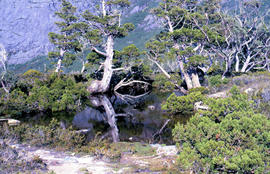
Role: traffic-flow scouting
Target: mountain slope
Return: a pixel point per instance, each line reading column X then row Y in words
column 25, row 24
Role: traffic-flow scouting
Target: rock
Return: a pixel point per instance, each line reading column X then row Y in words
column 199, row 105
column 165, row 150
column 151, row 107
column 249, row 91
column 266, row 95
column 219, row 95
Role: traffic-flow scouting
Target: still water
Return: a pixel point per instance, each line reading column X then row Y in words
column 121, row 118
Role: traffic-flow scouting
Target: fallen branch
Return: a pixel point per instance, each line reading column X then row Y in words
column 160, row 131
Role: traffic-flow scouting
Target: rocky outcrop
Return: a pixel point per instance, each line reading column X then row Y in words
column 25, row 25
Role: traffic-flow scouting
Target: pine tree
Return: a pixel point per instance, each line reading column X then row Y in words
column 66, row 41
column 101, row 28
column 188, row 30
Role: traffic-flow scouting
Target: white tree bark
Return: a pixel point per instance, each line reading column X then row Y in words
column 83, row 66
column 195, row 80
column 103, row 85
column 237, row 63
column 58, row 66
column 3, row 57
column 103, row 8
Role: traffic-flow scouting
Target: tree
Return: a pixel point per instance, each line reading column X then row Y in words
column 246, row 38
column 188, row 30
column 3, row 65
column 101, row 28
column 66, row 40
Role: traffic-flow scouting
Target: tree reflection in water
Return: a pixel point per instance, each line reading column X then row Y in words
column 102, row 100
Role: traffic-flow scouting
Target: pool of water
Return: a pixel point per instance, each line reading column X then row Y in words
column 121, row 118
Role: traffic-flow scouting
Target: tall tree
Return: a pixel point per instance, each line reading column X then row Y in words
column 246, row 38
column 66, row 40
column 101, row 29
column 188, row 28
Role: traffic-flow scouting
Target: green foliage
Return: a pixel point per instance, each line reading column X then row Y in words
column 31, row 73
column 66, row 40
column 57, row 94
column 230, row 137
column 220, row 107
column 187, row 36
column 202, row 90
column 36, row 92
column 162, row 82
column 183, row 105
column 217, row 81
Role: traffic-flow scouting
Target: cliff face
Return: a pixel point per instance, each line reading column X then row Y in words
column 25, row 24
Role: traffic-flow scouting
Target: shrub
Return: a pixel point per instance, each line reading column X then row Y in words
column 32, row 73
column 163, row 83
column 182, row 104
column 228, row 138
column 202, row 90
column 217, row 81
column 37, row 92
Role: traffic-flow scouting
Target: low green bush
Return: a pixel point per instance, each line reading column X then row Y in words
column 217, row 81
column 183, row 105
column 35, row 92
column 202, row 90
column 230, row 137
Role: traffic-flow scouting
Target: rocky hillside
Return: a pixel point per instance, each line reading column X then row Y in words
column 25, row 24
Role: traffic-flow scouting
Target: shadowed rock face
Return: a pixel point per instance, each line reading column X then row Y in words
column 25, row 24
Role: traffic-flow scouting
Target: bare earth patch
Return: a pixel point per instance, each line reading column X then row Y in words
column 63, row 163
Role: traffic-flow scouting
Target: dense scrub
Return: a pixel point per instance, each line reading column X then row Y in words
column 230, row 137
column 36, row 92
column 183, row 105
column 164, row 84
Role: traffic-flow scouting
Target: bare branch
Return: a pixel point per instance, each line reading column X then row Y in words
column 99, row 52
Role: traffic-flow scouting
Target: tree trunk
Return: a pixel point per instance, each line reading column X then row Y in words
column 162, row 69
column 185, row 75
column 244, row 68
column 4, row 87
column 228, row 67
column 58, row 67
column 103, row 85
column 195, row 80
column 83, row 67
column 237, row 63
